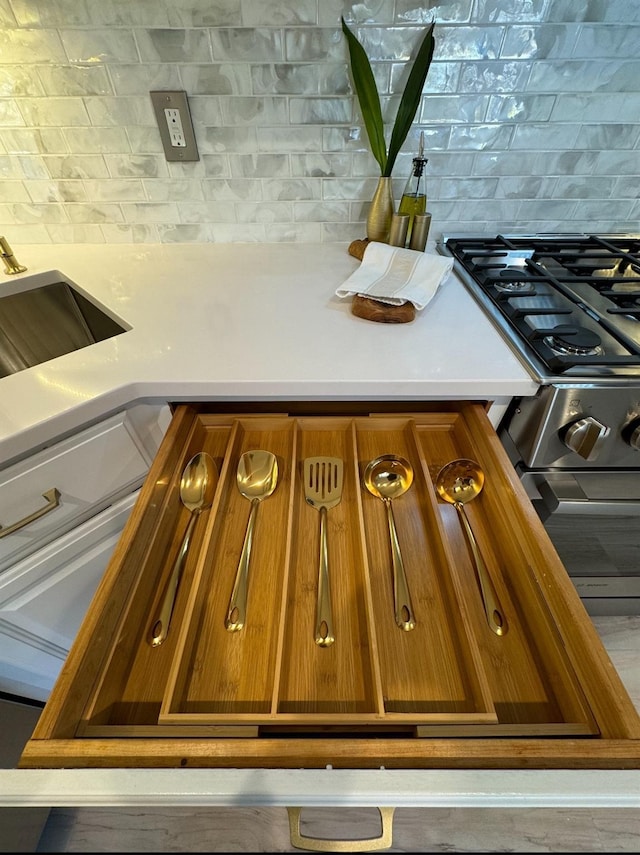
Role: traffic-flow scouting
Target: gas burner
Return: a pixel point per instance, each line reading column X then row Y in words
column 574, row 341
column 512, row 279
column 512, row 286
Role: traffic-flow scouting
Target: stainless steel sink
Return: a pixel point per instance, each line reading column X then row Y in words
column 45, row 316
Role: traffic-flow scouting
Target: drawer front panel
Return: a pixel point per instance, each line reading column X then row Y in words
column 88, row 471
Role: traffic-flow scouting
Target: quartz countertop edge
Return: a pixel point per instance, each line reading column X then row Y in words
column 243, row 322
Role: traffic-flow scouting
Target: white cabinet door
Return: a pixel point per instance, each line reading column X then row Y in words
column 44, row 598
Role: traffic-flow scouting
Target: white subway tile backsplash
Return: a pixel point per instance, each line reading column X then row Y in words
column 549, row 136
column 119, row 190
column 18, row 80
column 288, row 189
column 546, row 41
column 609, row 107
column 146, row 212
column 162, row 189
column 480, row 137
column 34, row 141
column 413, row 11
column 30, row 213
column 494, row 76
column 289, row 139
column 15, row 191
column 129, row 79
column 520, row 108
column 10, row 113
column 56, row 191
column 7, row 18
column 319, row 111
column 232, row 190
column 264, row 212
column 146, row 141
column 259, row 165
column 95, row 213
column 66, row 233
column 203, row 13
column 247, row 44
column 321, row 165
column 25, row 46
column 293, row 232
column 98, row 45
column 223, row 78
column 136, row 166
column 248, row 110
column 512, row 10
column 275, row 13
column 27, row 167
column 74, row 80
column 138, row 233
column 322, row 212
column 56, row 112
column 173, row 45
column 88, row 140
column 75, row 166
column 529, row 113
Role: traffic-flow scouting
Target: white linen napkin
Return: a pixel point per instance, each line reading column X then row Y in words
column 394, row 275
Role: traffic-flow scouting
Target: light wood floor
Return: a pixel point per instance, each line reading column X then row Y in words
column 415, row 829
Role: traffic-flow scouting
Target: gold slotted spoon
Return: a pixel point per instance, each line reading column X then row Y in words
column 323, row 490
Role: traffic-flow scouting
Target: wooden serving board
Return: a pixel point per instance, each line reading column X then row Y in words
column 449, row 692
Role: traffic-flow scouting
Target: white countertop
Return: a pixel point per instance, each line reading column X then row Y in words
column 244, row 322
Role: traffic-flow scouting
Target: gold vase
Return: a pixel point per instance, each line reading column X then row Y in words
column 381, row 211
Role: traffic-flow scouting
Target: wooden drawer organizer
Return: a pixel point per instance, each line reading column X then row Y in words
column 449, row 692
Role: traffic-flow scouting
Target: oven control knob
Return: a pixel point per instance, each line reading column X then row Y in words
column 585, row 437
column 632, row 434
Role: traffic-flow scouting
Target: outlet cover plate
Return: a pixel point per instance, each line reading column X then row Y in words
column 163, row 100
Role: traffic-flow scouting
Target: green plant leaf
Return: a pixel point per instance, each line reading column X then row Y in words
column 410, row 98
column 368, row 98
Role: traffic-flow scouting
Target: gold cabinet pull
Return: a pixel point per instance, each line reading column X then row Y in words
column 322, row 844
column 53, row 500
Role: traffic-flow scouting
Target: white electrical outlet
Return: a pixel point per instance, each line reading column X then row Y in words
column 176, row 131
column 174, row 123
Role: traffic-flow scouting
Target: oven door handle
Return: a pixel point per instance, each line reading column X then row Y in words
column 562, row 494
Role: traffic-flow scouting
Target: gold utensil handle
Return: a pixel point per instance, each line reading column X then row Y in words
column 322, row 844
column 160, row 626
column 324, row 635
column 404, row 616
column 492, row 608
column 53, row 500
column 237, row 611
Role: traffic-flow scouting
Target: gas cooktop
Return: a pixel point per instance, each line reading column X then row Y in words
column 568, row 303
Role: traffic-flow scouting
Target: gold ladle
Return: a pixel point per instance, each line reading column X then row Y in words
column 257, row 476
column 457, row 483
column 197, row 488
column 388, row 477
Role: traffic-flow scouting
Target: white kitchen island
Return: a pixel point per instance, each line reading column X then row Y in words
column 250, row 322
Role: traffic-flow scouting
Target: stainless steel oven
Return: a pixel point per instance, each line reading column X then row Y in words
column 569, row 306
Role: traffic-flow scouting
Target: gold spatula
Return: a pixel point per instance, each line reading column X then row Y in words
column 323, row 490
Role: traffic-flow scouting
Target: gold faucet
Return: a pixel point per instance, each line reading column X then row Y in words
column 11, row 263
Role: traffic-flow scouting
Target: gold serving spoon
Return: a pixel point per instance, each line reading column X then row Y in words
column 388, row 477
column 257, row 476
column 197, row 488
column 457, row 483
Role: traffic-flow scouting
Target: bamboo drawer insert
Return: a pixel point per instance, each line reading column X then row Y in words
column 448, row 672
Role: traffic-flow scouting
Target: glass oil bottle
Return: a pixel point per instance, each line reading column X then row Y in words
column 414, row 197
